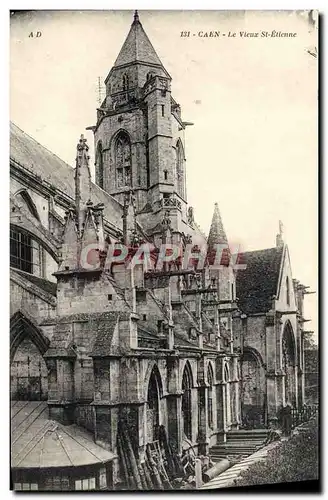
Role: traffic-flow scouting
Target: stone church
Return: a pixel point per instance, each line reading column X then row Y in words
column 109, row 357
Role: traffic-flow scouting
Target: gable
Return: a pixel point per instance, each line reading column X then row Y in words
column 285, row 293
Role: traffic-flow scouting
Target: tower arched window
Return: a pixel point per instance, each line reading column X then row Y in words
column 123, row 160
column 149, row 76
column 287, row 291
column 186, row 401
column 210, row 381
column 180, row 169
column 125, row 81
column 100, row 166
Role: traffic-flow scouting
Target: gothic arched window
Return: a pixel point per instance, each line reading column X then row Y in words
column 153, row 399
column 287, row 291
column 210, row 380
column 180, row 169
column 125, row 81
column 28, row 373
column 186, row 400
column 288, row 363
column 123, row 160
column 100, row 166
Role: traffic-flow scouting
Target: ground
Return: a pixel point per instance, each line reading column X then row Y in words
column 294, row 460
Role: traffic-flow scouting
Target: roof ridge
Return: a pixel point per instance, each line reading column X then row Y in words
column 62, row 161
column 262, row 250
column 42, row 146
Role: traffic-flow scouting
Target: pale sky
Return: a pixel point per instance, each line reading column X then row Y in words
column 253, row 101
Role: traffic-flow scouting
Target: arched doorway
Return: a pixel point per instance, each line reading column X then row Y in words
column 28, row 370
column 288, row 364
column 153, row 404
column 28, row 374
column 252, row 403
column 186, row 401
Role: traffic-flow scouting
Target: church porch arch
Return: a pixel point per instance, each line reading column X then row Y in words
column 28, row 370
column 252, row 388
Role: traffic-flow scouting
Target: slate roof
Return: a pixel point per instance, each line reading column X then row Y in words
column 256, row 284
column 37, row 442
column 137, row 47
column 41, row 162
column 45, row 285
column 105, row 327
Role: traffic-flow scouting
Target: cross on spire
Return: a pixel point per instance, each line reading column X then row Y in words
column 82, row 144
column 136, row 17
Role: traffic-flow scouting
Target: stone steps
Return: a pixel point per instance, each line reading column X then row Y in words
column 241, row 443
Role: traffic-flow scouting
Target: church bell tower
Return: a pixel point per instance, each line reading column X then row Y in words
column 139, row 134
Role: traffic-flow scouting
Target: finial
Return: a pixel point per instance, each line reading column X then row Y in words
column 82, row 144
column 136, row 17
column 279, row 237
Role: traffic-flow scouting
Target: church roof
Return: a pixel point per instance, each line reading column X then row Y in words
column 37, row 442
column 45, row 165
column 104, row 327
column 256, row 284
column 137, row 47
column 217, row 233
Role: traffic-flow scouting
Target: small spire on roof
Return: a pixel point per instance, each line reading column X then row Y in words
column 217, row 233
column 82, row 179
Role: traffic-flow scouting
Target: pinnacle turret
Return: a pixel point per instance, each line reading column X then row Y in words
column 217, row 233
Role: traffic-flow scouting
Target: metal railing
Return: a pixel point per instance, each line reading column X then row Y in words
column 303, row 414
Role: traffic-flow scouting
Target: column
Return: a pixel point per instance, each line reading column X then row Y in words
column 202, row 421
column 174, row 422
column 221, row 411
column 271, row 390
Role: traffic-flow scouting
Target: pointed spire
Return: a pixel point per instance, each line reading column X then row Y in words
column 82, row 179
column 137, row 46
column 217, row 233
